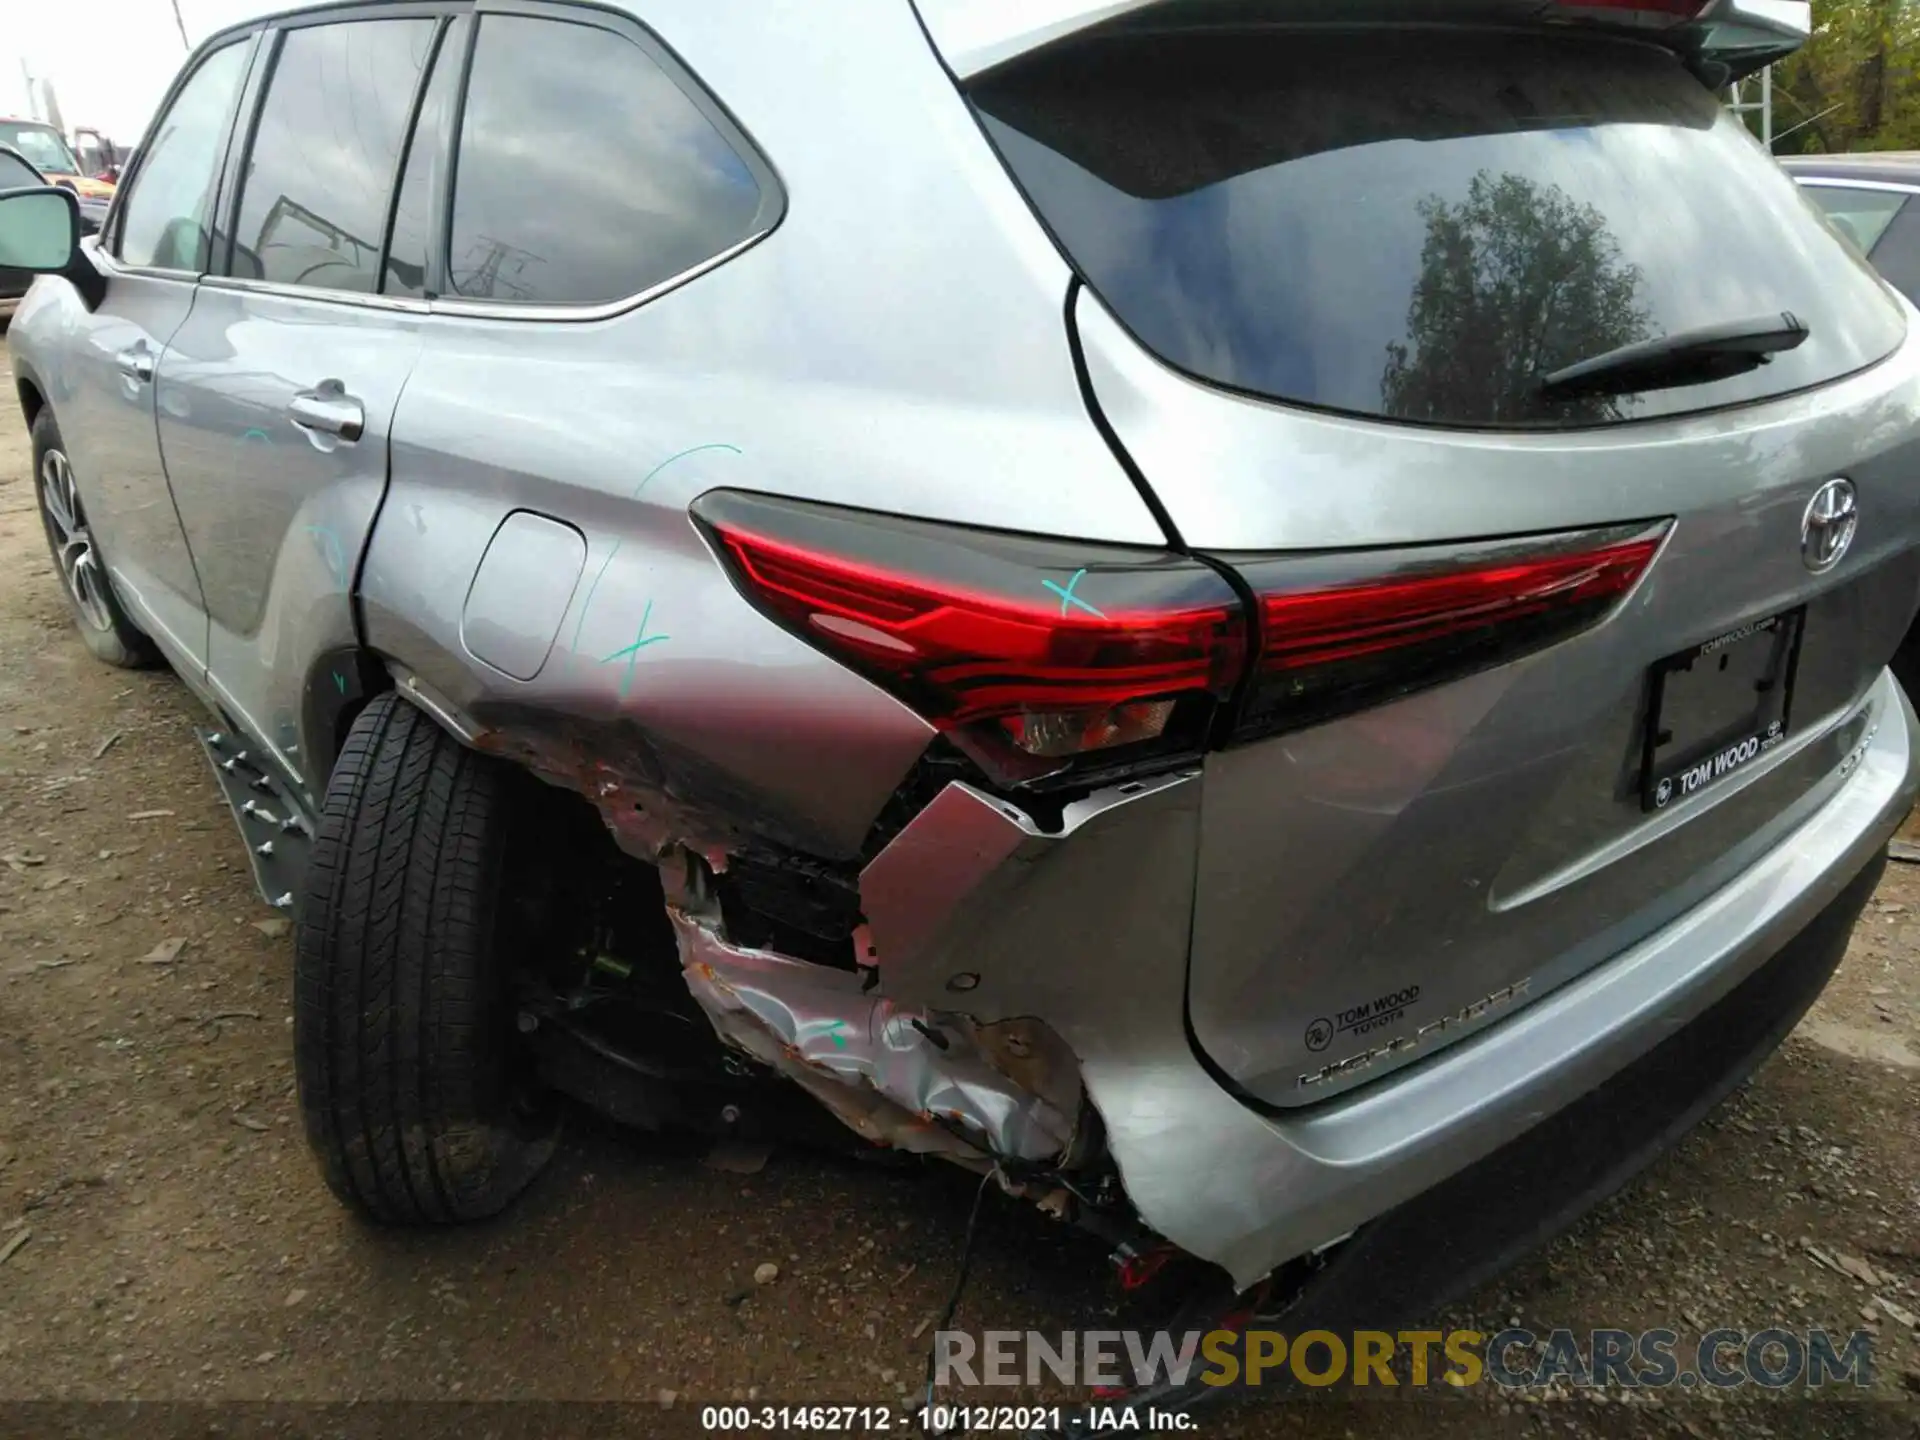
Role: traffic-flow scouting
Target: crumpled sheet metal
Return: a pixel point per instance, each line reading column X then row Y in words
column 865, row 1058
column 623, row 783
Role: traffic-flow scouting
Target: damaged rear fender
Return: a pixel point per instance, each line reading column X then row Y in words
column 918, row 1078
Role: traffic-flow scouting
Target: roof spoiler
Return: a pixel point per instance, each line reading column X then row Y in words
column 1721, row 39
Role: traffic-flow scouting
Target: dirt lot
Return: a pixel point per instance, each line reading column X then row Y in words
column 163, row 1234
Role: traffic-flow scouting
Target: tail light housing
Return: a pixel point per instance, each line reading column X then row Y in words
column 1641, row 14
column 1340, row 633
column 1040, row 657
column 1036, row 656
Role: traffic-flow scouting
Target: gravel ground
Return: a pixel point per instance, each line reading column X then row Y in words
column 164, row 1235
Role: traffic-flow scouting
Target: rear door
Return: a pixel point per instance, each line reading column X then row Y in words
column 160, row 239
column 277, row 393
column 1327, row 276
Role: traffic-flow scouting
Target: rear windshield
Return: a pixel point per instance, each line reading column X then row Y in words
column 1420, row 224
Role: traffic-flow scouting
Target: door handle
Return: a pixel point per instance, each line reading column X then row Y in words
column 328, row 409
column 136, row 363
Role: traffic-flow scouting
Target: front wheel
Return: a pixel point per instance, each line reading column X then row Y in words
column 97, row 613
column 402, row 1017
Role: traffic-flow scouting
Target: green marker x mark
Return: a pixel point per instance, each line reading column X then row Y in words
column 1067, row 597
column 631, row 653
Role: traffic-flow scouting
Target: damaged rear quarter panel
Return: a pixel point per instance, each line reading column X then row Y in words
column 723, row 729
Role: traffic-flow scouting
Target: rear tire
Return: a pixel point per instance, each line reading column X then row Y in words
column 403, row 1022
column 97, row 612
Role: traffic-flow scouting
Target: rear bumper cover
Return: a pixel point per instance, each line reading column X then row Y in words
column 1441, row 1245
column 1086, row 927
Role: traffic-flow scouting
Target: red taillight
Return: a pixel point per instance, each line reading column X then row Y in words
column 1653, row 14
column 1054, row 649
column 971, row 656
column 1034, row 654
column 1329, row 648
column 1351, row 621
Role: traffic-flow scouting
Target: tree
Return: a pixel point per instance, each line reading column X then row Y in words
column 1516, row 280
column 1856, row 82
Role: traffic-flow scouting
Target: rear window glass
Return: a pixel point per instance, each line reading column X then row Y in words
column 1420, row 225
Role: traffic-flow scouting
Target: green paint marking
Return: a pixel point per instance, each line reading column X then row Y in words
column 695, row 450
column 632, row 652
column 1067, row 597
column 588, row 602
column 331, row 552
column 580, row 621
column 834, row 1034
column 339, row 682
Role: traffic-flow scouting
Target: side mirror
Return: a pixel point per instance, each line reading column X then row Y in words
column 40, row 232
column 39, row 229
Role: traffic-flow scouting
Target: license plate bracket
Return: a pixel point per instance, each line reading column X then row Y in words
column 1716, row 707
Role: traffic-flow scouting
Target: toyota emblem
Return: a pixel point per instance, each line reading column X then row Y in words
column 1826, row 530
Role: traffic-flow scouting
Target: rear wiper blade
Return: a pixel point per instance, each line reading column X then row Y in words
column 1692, row 357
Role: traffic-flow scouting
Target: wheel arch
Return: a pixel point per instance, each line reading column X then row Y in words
column 340, row 683
column 27, row 388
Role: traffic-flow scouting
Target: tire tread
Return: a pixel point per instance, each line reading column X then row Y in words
column 398, row 1014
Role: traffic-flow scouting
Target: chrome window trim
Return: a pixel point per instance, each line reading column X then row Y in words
column 604, row 310
column 406, row 304
column 1837, row 183
column 472, row 309
column 105, row 259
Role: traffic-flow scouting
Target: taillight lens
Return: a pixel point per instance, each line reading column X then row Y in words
column 1332, row 643
column 1644, row 14
column 1040, row 657
column 1031, row 652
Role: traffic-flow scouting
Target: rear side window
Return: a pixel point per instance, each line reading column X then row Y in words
column 1419, row 225
column 584, row 173
column 1860, row 215
column 1897, row 254
column 163, row 221
column 313, row 205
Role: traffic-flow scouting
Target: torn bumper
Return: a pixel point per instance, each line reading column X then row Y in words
column 1087, row 929
column 909, row 1077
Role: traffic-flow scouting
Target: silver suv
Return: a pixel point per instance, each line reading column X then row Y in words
column 1273, row 632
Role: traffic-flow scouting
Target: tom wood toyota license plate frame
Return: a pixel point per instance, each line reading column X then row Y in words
column 1715, row 708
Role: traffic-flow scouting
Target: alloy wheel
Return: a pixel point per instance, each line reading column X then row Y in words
column 73, row 544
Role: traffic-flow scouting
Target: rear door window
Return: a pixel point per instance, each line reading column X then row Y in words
column 1860, row 215
column 587, row 173
column 1419, row 225
column 326, row 149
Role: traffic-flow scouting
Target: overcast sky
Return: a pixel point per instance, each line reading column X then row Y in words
column 110, row 60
